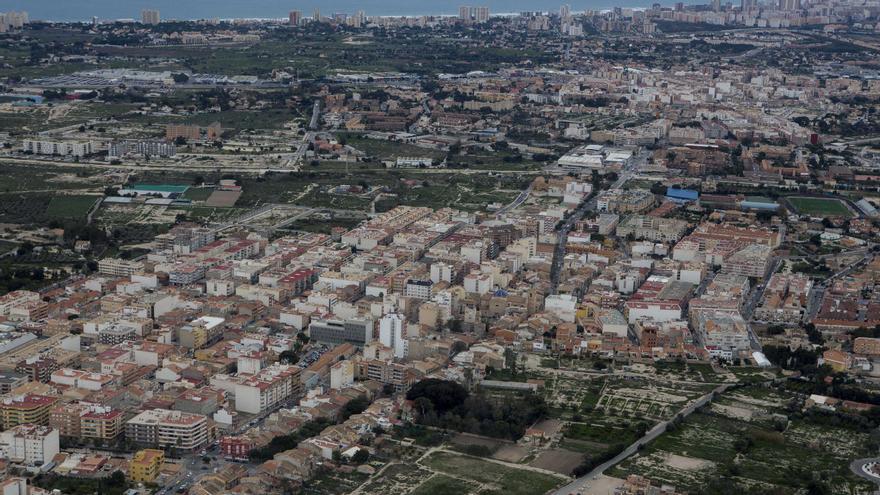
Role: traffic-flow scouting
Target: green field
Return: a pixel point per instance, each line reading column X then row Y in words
column 70, row 206
column 508, row 481
column 819, row 207
column 198, row 193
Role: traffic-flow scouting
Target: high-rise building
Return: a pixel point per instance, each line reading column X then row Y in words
column 150, row 17
column 12, row 20
column 294, row 18
column 473, row 14
column 565, row 11
column 392, row 333
column 316, row 16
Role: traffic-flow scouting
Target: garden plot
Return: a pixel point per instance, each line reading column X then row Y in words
column 650, row 402
column 490, row 477
column 840, row 442
column 707, row 446
column 398, row 479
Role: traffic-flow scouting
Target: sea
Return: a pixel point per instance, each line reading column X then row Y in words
column 84, row 10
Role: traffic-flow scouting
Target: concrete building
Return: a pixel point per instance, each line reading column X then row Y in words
column 145, row 465
column 354, row 331
column 24, row 409
column 268, row 389
column 62, row 148
column 29, row 444
column 168, row 429
column 392, row 333
column 150, row 17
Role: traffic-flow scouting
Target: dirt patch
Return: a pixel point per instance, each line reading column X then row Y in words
column 741, row 413
column 223, row 199
column 687, row 463
column 601, row 485
column 550, row 427
column 510, row 453
column 559, row 460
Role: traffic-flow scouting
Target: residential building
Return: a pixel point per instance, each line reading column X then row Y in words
column 168, row 429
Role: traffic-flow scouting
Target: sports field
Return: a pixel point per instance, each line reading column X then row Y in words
column 819, row 207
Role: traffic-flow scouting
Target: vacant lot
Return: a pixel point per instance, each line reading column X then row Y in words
column 440, row 484
column 493, row 478
column 561, row 461
column 223, row 199
column 819, row 207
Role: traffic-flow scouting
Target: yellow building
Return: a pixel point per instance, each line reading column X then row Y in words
column 145, row 465
column 31, row 408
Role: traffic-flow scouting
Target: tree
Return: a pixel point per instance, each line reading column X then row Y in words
column 361, row 456
column 443, row 394
column 289, row 357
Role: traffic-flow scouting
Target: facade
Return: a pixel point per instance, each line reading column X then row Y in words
column 650, row 228
column 392, row 333
column 62, row 148
column 168, row 429
column 354, row 331
column 150, row 17
column 116, row 267
column 26, row 409
column 141, row 148
column 145, row 465
column 268, row 389
column 30, row 444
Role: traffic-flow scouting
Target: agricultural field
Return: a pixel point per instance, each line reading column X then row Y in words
column 399, row 479
column 70, row 207
column 388, row 150
column 819, row 207
column 198, row 193
column 490, row 478
column 746, row 437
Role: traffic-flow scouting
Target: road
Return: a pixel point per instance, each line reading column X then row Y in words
column 581, row 485
column 316, row 116
column 523, row 196
column 859, row 468
column 588, row 205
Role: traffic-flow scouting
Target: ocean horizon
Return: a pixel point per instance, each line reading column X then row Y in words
column 84, row 10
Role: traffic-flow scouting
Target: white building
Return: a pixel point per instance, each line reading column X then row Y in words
column 392, row 333
column 30, row 444
column 563, row 306
column 341, row 374
column 478, row 282
column 268, row 389
column 63, row 148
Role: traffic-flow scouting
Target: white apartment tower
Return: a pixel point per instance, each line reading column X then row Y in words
column 392, row 333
